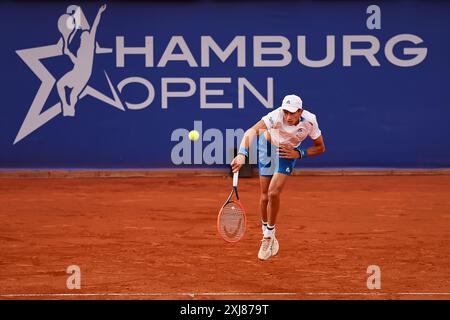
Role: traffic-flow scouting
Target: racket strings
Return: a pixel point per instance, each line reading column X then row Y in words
column 232, row 222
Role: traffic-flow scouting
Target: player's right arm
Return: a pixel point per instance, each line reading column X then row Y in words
column 259, row 128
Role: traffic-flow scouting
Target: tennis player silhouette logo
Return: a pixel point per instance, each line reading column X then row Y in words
column 77, row 78
column 75, row 84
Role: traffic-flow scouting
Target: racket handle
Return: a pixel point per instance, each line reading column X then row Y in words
column 235, row 179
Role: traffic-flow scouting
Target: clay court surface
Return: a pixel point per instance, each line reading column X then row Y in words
column 155, row 238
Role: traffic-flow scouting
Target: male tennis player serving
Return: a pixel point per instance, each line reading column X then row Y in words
column 281, row 133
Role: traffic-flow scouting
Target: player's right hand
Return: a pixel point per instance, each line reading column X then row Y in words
column 237, row 163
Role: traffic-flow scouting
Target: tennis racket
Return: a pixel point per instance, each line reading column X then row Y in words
column 231, row 221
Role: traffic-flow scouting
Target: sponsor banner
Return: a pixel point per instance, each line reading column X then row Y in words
column 121, row 86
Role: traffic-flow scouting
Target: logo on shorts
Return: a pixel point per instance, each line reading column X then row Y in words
column 288, row 170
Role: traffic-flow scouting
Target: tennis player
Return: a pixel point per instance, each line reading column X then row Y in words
column 280, row 134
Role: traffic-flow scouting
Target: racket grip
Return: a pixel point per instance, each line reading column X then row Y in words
column 235, row 179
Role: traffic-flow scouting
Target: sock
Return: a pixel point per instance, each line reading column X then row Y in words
column 264, row 226
column 270, row 231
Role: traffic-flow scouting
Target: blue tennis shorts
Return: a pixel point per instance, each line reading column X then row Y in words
column 269, row 162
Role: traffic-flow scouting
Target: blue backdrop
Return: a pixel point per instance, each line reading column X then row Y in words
column 384, row 116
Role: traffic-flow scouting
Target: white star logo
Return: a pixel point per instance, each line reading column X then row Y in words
column 32, row 57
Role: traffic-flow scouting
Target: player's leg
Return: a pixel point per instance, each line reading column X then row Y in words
column 266, row 167
column 61, row 88
column 264, row 182
column 77, row 89
column 274, row 193
column 270, row 246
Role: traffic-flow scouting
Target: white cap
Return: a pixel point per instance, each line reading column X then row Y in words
column 292, row 103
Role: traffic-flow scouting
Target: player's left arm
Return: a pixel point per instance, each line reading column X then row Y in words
column 318, row 148
column 67, row 52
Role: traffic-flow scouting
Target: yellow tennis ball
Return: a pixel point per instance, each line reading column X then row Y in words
column 194, row 135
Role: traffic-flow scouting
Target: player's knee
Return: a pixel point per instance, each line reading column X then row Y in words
column 274, row 195
column 59, row 84
column 264, row 197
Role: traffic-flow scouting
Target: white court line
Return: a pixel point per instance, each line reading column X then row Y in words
column 193, row 294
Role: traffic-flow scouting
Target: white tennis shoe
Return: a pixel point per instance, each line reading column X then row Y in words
column 269, row 247
column 275, row 246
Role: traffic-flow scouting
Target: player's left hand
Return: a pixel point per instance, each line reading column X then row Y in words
column 288, row 153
